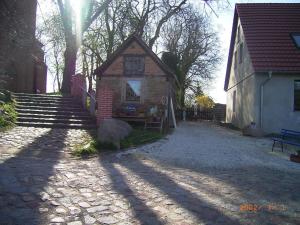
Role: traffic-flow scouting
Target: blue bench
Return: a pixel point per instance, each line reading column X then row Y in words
column 289, row 137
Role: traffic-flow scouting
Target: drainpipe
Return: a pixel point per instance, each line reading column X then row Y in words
column 262, row 97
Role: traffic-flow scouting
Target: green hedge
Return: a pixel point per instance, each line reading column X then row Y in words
column 8, row 114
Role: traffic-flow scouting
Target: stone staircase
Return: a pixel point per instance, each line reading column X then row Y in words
column 51, row 111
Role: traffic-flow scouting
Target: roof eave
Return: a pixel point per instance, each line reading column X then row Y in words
column 131, row 38
column 231, row 48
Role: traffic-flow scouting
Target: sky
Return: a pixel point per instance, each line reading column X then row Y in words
column 222, row 22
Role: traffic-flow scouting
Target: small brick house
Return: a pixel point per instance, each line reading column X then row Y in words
column 140, row 83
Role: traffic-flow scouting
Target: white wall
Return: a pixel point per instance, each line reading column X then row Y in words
column 278, row 104
column 242, row 80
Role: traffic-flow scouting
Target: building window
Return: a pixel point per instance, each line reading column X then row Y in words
column 297, row 95
column 134, row 65
column 296, row 39
column 133, row 91
column 238, row 34
column 241, row 49
column 235, row 59
column 233, row 101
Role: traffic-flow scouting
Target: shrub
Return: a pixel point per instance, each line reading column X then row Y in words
column 8, row 114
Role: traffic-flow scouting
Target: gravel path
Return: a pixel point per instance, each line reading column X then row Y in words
column 205, row 145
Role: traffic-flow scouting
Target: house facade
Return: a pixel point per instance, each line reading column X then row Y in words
column 22, row 66
column 138, row 79
column 263, row 70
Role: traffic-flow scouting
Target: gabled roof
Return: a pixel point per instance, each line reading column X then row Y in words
column 146, row 48
column 267, row 30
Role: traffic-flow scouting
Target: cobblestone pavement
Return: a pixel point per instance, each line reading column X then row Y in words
column 41, row 183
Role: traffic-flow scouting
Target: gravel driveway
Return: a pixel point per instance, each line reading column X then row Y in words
column 204, row 145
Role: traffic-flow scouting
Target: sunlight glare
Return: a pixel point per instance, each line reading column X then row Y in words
column 77, row 6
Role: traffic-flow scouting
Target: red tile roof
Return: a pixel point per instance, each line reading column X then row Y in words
column 267, row 28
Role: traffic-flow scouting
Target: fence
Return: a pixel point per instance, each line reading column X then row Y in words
column 218, row 113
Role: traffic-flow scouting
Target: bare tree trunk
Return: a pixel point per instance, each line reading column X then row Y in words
column 90, row 77
column 70, row 66
column 182, row 98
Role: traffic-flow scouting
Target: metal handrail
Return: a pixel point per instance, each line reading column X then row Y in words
column 83, row 89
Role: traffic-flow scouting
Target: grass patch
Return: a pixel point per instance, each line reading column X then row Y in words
column 8, row 114
column 137, row 137
column 93, row 147
column 140, row 137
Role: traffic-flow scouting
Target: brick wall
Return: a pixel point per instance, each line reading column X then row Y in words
column 151, row 68
column 153, row 88
column 18, row 45
column 41, row 78
column 154, row 82
column 105, row 100
column 78, row 81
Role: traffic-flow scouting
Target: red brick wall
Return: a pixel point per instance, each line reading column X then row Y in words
column 41, row 78
column 104, row 100
column 78, row 81
column 154, row 82
column 151, row 68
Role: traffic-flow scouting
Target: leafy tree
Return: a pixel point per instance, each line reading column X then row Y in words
column 205, row 101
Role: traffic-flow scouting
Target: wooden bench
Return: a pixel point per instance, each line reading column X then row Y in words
column 289, row 137
column 131, row 118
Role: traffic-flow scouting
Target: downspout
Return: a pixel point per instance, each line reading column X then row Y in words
column 262, row 97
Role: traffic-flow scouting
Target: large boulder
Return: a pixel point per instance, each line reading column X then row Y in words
column 253, row 131
column 113, row 131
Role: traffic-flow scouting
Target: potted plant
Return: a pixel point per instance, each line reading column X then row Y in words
column 295, row 157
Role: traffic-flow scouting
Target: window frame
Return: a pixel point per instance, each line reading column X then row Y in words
column 241, row 53
column 294, row 40
column 235, row 59
column 296, row 106
column 238, row 34
column 125, row 60
column 125, row 90
column 234, row 101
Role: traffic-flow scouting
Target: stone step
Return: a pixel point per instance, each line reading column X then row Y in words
column 58, row 116
column 40, row 95
column 56, row 120
column 50, row 108
column 46, row 101
column 53, row 101
column 40, row 110
column 53, row 112
column 57, row 125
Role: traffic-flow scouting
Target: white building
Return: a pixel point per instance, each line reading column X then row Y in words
column 263, row 70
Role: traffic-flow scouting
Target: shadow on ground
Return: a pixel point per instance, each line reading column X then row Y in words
column 251, row 195
column 24, row 177
column 197, row 207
